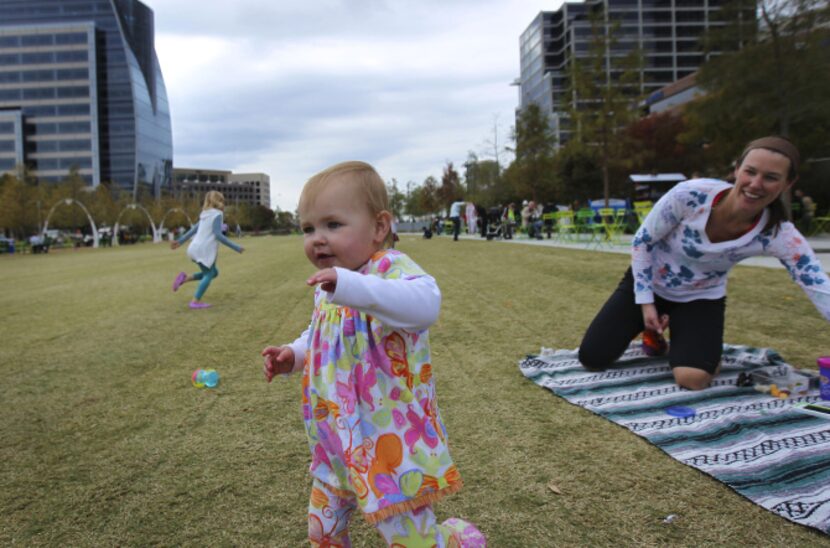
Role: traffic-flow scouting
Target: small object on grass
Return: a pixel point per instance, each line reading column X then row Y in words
column 680, row 411
column 211, row 378
column 197, row 378
column 670, row 518
column 552, row 486
column 205, row 378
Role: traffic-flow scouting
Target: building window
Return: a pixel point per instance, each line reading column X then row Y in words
column 37, row 40
column 71, row 38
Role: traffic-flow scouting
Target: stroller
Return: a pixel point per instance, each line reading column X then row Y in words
column 495, row 224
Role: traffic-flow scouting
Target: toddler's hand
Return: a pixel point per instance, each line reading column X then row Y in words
column 327, row 278
column 279, row 360
column 174, row 244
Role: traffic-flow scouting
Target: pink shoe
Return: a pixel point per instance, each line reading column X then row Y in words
column 195, row 305
column 180, row 279
column 465, row 533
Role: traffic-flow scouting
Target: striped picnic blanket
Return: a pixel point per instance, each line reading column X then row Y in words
column 776, row 457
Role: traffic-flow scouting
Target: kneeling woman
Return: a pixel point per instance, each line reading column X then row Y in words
column 681, row 256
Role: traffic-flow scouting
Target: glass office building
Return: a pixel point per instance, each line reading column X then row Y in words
column 81, row 88
column 668, row 33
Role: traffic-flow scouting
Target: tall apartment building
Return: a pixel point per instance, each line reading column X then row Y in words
column 81, row 87
column 667, row 32
column 237, row 188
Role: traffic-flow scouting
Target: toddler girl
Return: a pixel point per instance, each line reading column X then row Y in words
column 376, row 436
column 204, row 247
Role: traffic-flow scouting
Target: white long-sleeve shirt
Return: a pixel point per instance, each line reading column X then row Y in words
column 406, row 304
column 208, row 230
column 672, row 256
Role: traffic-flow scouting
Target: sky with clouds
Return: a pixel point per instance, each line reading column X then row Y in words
column 288, row 87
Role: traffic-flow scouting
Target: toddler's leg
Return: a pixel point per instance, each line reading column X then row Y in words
column 328, row 517
column 418, row 528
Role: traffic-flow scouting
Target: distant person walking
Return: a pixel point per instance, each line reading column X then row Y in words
column 471, row 218
column 204, row 248
column 455, row 217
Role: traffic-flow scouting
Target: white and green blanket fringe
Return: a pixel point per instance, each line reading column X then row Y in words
column 758, row 445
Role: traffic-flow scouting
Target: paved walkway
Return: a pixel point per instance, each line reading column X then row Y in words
column 820, row 244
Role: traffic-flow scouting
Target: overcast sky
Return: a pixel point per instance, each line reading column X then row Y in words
column 290, row 87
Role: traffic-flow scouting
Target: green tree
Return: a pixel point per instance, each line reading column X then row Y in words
column 577, row 168
column 604, row 88
column 18, row 207
column 775, row 84
column 397, row 199
column 429, row 199
column 262, row 218
column 70, row 216
column 102, row 205
column 450, row 189
column 284, row 221
column 657, row 138
column 414, row 202
column 483, row 180
column 531, row 174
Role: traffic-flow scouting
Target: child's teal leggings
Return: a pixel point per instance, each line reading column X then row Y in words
column 206, row 276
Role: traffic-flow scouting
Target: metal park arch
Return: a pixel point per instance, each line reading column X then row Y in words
column 156, row 234
column 173, row 210
column 69, row 202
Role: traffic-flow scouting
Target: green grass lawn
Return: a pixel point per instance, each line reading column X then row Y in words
column 106, row 442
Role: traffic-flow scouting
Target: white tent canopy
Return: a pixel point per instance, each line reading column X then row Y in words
column 658, row 178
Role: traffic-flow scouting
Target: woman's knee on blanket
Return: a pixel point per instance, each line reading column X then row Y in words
column 593, row 360
column 692, row 378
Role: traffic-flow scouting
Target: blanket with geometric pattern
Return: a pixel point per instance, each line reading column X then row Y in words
column 756, row 444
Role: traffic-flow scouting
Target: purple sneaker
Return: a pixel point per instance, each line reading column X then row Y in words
column 196, row 305
column 180, row 278
column 465, row 533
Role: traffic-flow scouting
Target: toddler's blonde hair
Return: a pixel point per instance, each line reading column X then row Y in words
column 363, row 178
column 213, row 199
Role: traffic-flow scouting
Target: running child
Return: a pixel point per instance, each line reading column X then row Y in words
column 375, row 432
column 204, row 247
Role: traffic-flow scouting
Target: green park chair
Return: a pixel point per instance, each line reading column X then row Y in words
column 642, row 209
column 613, row 223
column 820, row 225
column 588, row 230
column 565, row 226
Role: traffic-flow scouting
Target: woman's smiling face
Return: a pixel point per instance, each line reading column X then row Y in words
column 760, row 179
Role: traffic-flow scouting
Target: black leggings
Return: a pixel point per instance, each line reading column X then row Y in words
column 696, row 330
